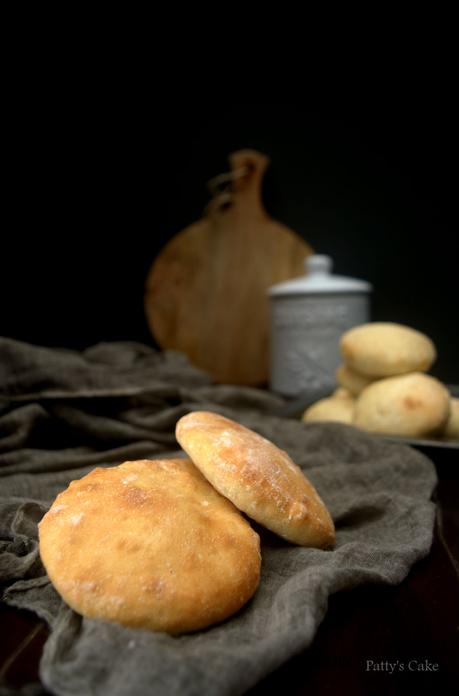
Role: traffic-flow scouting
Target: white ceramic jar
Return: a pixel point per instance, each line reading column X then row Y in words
column 308, row 316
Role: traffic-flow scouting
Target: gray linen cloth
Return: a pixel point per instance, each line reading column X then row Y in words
column 63, row 413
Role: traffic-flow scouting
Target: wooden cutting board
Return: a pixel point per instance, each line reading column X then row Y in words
column 206, row 291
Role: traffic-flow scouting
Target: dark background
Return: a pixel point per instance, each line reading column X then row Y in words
column 95, row 185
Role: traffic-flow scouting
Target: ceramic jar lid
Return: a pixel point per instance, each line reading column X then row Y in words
column 319, row 279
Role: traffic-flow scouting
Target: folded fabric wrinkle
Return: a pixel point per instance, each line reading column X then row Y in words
column 62, row 413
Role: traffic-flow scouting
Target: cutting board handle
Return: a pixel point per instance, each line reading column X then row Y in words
column 247, row 188
column 246, row 177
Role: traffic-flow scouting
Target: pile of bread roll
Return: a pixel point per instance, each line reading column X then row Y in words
column 383, row 386
column 163, row 545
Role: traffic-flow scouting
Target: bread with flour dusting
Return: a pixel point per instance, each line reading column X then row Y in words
column 412, row 405
column 386, row 349
column 333, row 408
column 258, row 477
column 150, row 544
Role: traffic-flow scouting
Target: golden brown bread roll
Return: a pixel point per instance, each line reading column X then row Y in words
column 342, row 393
column 412, row 405
column 384, row 349
column 150, row 544
column 333, row 408
column 258, row 477
column 351, row 380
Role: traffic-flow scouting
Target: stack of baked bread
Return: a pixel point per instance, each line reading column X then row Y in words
column 383, row 385
column 162, row 544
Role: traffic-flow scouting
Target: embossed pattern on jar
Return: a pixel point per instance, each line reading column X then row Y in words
column 308, row 317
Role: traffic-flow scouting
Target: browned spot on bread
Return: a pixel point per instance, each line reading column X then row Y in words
column 134, row 496
column 229, row 542
column 154, row 585
column 412, row 403
column 89, row 487
column 350, row 351
column 128, row 546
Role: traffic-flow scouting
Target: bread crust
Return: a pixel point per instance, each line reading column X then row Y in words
column 351, row 380
column 150, row 544
column 258, row 477
column 413, row 405
column 333, row 408
column 385, row 349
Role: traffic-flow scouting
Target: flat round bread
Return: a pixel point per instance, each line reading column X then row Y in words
column 384, row 350
column 411, row 405
column 258, row 477
column 333, row 408
column 150, row 544
column 351, row 380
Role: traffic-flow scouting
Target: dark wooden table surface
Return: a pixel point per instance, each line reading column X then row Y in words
column 374, row 640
